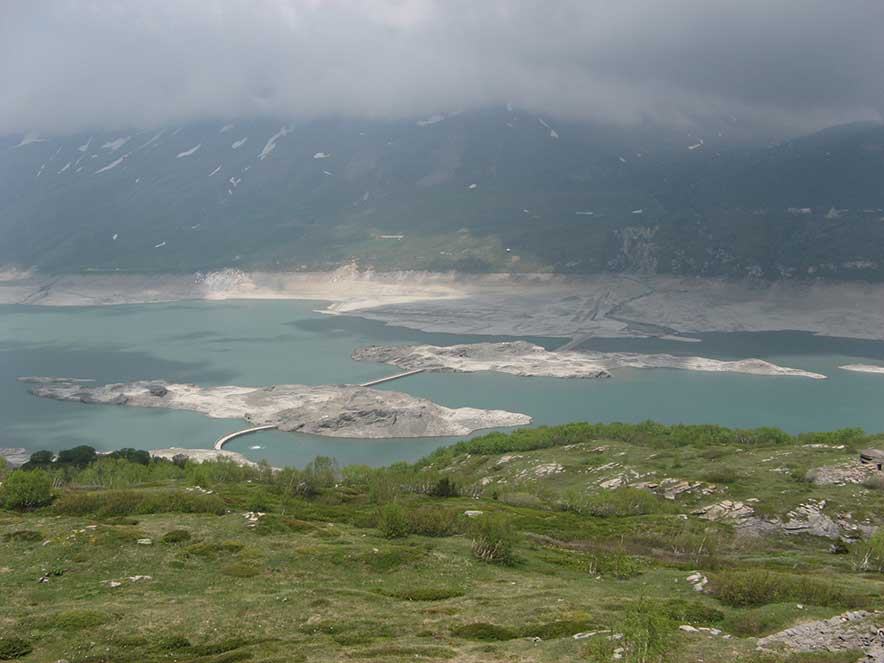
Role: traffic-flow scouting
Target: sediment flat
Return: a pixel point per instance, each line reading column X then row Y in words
column 527, row 359
column 602, row 305
column 330, row 410
column 863, row 368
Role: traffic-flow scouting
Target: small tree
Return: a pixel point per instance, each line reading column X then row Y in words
column 27, row 489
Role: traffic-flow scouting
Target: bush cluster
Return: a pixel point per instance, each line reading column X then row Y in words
column 12, row 648
column 648, row 433
column 128, row 502
column 26, row 490
column 757, row 587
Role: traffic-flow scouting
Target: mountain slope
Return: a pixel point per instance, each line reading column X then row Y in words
column 499, row 189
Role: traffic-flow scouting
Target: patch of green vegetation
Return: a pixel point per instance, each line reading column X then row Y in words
column 425, row 593
column 240, row 570
column 317, row 579
column 175, row 536
column 493, row 538
column 129, row 502
column 73, row 620
column 12, row 648
column 23, row 536
column 484, row 631
column 213, row 549
column 755, row 587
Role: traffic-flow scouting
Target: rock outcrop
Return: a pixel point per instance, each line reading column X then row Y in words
column 331, row 410
column 856, row 630
column 527, row 359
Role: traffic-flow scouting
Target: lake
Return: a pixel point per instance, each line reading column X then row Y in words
column 258, row 343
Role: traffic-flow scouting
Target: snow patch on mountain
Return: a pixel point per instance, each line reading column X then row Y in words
column 215, row 171
column 187, row 153
column 321, row 155
column 271, row 144
column 66, row 166
column 239, row 143
column 112, row 164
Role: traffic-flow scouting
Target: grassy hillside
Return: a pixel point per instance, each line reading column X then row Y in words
column 580, row 532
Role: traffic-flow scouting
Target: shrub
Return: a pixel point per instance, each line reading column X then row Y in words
column 721, row 474
column 74, row 620
column 172, row 643
column 493, row 538
column 870, row 554
column 393, row 521
column 484, row 631
column 240, row 570
column 760, row 587
column 691, row 612
column 558, row 629
column 175, row 536
column 431, row 521
column 24, row 536
column 129, row 502
column 522, row 499
column 41, row 458
column 27, row 489
column 425, row 594
column 875, row 482
column 445, row 487
column 623, row 502
column 12, row 648
column 647, row 634
column 80, row 456
column 136, row 456
column 259, row 500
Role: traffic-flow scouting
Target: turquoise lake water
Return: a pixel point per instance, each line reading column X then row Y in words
column 272, row 342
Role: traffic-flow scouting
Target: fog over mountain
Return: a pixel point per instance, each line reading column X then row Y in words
column 780, row 69
column 687, row 137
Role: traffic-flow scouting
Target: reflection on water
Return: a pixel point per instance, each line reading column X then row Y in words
column 265, row 342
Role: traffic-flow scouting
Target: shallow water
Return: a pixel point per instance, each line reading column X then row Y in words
column 266, row 342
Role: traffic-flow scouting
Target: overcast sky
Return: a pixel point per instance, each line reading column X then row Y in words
column 67, row 65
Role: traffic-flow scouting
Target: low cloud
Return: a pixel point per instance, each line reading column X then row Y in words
column 794, row 65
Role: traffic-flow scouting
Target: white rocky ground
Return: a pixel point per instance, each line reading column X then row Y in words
column 522, row 358
column 331, row 410
column 501, row 304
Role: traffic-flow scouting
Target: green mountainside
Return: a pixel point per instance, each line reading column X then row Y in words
column 493, row 190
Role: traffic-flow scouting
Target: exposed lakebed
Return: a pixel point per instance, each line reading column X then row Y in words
column 259, row 343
